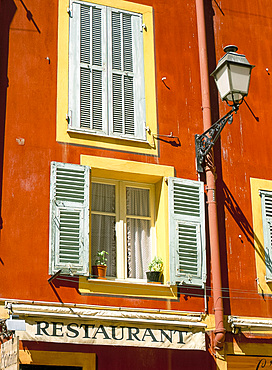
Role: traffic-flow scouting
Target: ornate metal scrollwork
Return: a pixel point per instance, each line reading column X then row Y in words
column 205, row 141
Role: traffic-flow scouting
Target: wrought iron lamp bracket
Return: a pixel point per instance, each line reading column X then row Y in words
column 205, row 141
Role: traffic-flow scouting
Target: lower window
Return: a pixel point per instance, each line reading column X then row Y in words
column 122, row 224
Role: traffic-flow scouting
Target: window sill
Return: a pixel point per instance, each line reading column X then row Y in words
column 88, row 133
column 89, row 286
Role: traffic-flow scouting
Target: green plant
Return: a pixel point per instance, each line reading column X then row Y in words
column 156, row 264
column 101, row 258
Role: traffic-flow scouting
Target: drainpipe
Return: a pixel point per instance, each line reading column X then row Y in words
column 210, row 180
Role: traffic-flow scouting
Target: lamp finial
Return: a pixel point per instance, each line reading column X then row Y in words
column 229, row 48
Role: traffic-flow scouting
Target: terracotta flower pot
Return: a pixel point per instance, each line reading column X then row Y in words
column 99, row 271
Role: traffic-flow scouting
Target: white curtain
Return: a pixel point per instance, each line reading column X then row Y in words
column 138, row 232
column 103, row 226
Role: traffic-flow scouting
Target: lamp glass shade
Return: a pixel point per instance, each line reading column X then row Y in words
column 222, row 81
column 232, row 76
column 240, row 77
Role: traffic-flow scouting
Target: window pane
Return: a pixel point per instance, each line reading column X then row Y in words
column 103, row 238
column 138, row 247
column 103, row 197
column 138, row 202
column 103, row 226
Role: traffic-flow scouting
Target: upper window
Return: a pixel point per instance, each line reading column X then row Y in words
column 106, row 71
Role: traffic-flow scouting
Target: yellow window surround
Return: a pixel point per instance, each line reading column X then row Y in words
column 264, row 287
column 62, row 135
column 118, row 169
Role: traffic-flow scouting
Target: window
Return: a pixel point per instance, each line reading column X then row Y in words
column 106, row 71
column 261, row 200
column 128, row 221
column 123, row 224
column 266, row 201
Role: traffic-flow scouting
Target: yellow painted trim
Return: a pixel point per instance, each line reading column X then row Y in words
column 249, row 349
column 126, row 170
column 97, row 286
column 256, row 185
column 209, row 320
column 51, row 358
column 150, row 83
column 221, row 363
column 119, row 169
column 4, row 314
column 162, row 228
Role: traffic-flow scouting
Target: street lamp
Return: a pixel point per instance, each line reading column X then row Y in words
column 232, row 77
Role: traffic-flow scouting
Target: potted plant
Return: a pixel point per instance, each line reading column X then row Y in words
column 155, row 273
column 100, row 268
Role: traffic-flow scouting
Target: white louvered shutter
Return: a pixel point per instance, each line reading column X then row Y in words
column 126, row 74
column 187, row 232
column 266, row 200
column 69, row 218
column 87, row 68
column 106, row 72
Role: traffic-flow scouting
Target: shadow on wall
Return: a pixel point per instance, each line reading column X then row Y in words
column 63, row 281
column 29, row 16
column 7, row 11
column 241, row 220
column 249, row 234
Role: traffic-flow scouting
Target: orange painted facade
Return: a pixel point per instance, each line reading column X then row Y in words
column 28, row 104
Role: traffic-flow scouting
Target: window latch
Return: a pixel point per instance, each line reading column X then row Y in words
column 70, row 12
column 69, row 117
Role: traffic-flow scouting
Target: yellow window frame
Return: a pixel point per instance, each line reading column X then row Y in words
column 62, row 135
column 264, row 287
column 148, row 174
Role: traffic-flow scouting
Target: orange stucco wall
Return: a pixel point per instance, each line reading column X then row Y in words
column 28, row 141
column 245, row 151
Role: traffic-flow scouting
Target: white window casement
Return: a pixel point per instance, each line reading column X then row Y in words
column 106, row 72
column 121, row 217
column 123, row 225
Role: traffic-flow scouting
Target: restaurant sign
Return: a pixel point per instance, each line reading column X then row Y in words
column 103, row 333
